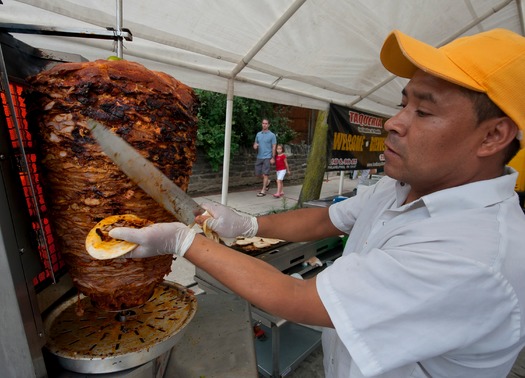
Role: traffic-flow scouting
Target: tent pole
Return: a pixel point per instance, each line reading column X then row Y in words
column 227, row 143
column 229, row 95
column 521, row 15
column 119, row 41
column 267, row 36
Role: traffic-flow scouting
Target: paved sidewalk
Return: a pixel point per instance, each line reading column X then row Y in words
column 247, row 201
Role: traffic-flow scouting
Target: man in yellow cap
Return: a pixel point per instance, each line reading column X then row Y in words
column 432, row 279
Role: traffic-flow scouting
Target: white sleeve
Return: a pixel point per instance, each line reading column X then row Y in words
column 344, row 214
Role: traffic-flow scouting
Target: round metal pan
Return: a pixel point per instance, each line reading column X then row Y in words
column 87, row 340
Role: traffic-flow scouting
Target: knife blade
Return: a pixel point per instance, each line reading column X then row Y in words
column 148, row 177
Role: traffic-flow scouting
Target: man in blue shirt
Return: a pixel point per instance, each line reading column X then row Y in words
column 265, row 142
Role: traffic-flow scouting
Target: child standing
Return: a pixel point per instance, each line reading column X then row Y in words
column 281, row 166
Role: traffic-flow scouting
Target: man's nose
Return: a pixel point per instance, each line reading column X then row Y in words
column 397, row 122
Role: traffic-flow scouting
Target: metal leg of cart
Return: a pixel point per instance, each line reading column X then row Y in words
column 285, row 346
column 276, row 347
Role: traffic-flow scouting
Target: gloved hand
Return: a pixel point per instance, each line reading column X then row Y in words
column 228, row 223
column 156, row 239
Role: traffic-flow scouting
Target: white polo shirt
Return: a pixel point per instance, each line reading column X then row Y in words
column 435, row 288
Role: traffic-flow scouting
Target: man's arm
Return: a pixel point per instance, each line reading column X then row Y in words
column 298, row 225
column 272, row 159
column 260, row 283
column 251, row 278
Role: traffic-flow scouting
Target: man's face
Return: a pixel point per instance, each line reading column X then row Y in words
column 265, row 124
column 432, row 141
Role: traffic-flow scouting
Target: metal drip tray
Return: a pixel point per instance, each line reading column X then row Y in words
column 293, row 254
column 89, row 340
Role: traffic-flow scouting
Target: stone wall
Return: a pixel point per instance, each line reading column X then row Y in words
column 205, row 181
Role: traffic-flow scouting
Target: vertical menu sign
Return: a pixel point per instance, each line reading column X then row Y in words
column 356, row 140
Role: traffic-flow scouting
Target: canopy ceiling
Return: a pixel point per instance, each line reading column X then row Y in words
column 307, row 53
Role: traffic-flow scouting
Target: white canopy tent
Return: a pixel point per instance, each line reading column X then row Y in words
column 306, row 53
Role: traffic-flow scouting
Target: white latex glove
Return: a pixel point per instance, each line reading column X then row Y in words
column 157, row 239
column 228, row 223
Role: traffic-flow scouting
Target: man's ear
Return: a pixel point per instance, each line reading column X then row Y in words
column 499, row 133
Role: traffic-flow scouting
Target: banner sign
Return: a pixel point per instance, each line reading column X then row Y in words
column 356, row 140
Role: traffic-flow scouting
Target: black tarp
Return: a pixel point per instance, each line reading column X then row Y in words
column 355, row 139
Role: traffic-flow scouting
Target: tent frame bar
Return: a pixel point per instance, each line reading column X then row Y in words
column 109, row 33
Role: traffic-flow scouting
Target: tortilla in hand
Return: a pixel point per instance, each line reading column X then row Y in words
column 101, row 246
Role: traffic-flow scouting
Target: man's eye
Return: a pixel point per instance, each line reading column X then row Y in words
column 421, row 113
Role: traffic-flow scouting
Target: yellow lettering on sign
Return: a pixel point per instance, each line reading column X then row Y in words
column 358, row 142
column 348, row 142
column 377, row 144
column 338, row 141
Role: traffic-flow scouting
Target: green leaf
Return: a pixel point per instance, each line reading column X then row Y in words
column 247, row 116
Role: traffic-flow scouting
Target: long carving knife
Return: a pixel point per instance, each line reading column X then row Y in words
column 145, row 174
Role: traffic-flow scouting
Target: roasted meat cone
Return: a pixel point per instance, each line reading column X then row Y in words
column 154, row 113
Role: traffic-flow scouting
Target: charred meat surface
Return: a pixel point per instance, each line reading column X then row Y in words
column 154, row 113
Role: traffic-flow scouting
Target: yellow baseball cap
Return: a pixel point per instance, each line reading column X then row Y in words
column 491, row 62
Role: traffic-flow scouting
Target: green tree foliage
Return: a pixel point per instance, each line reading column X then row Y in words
column 246, row 122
